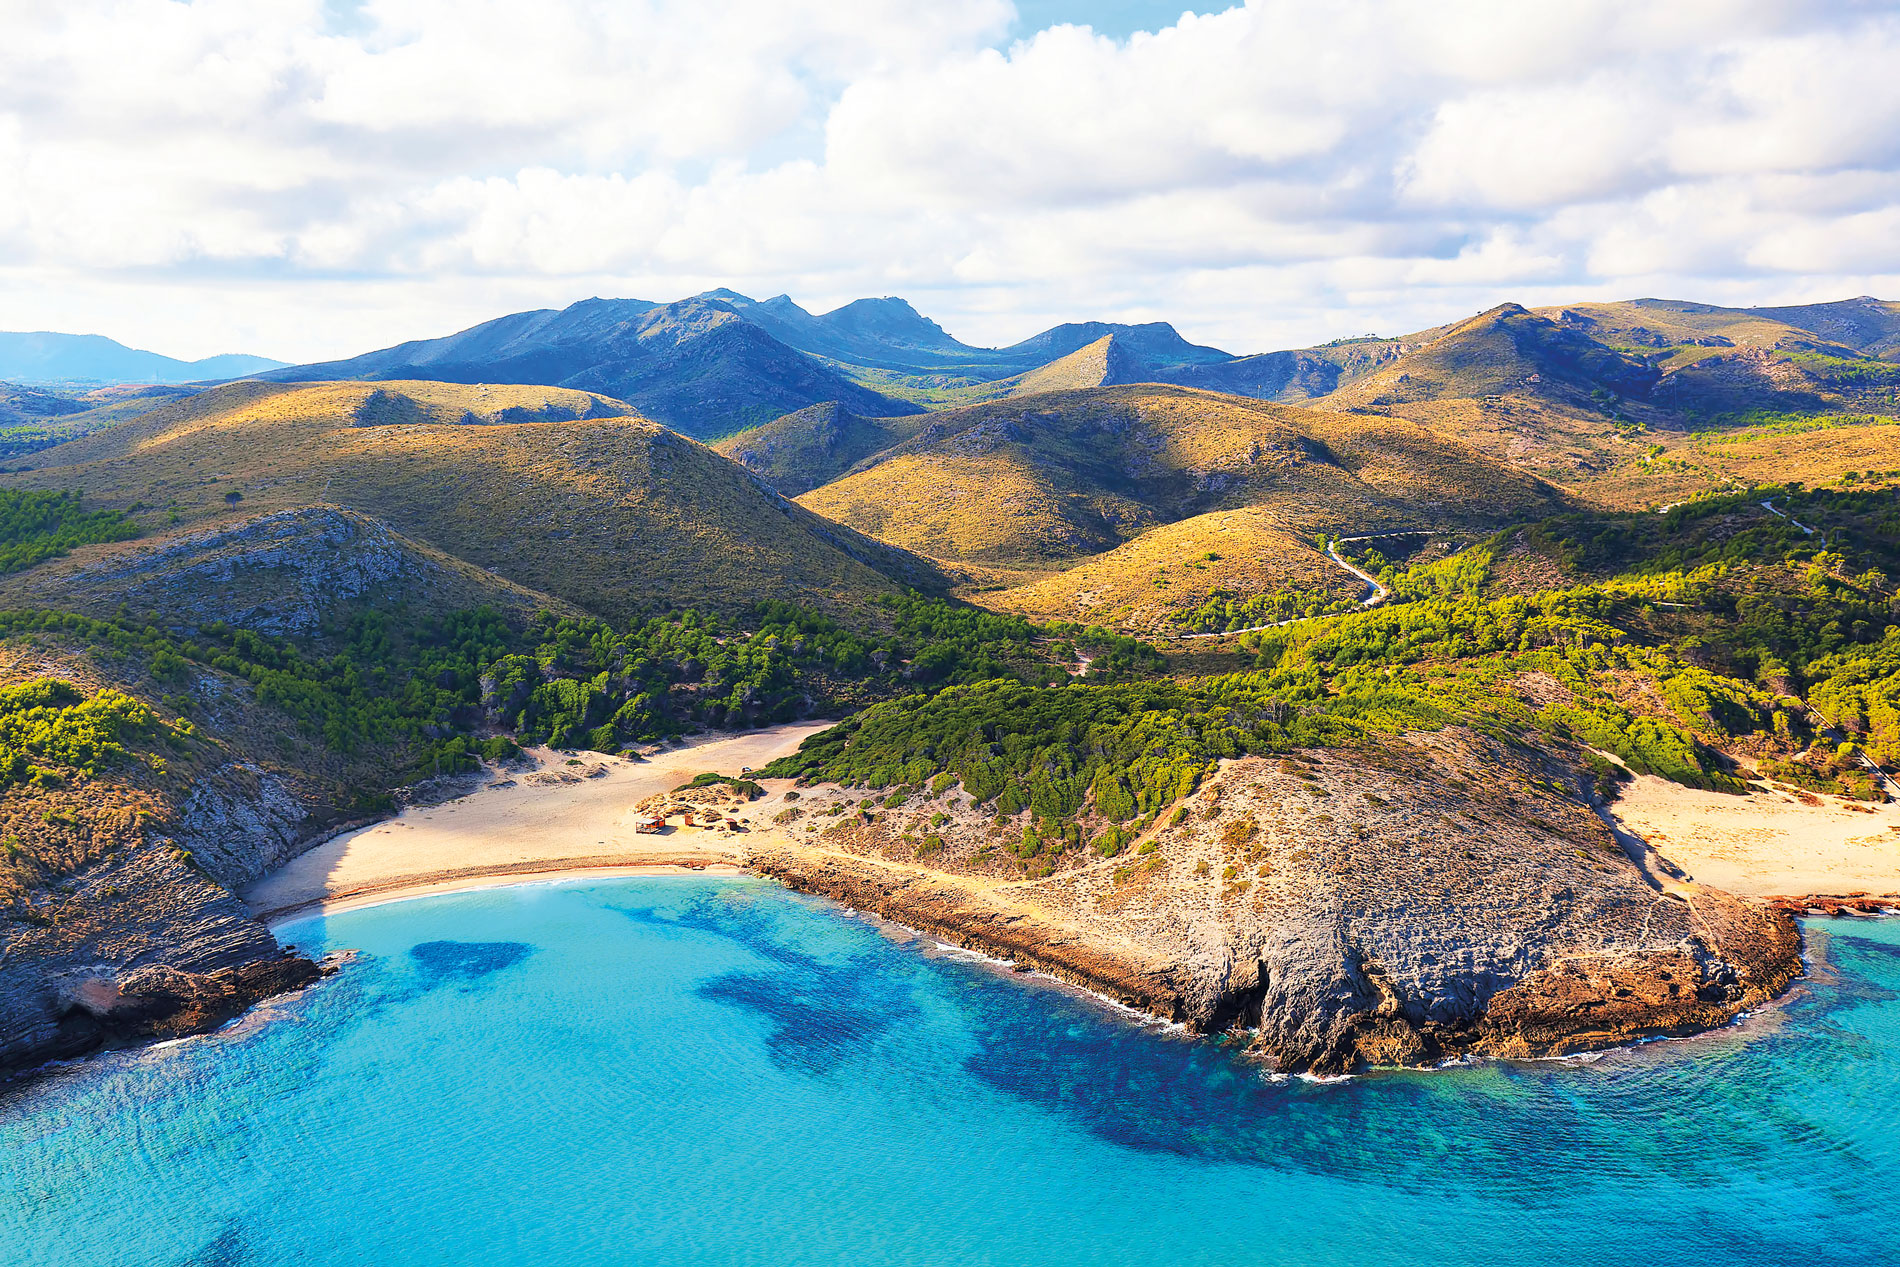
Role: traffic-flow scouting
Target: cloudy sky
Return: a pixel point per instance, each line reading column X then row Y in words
column 313, row 178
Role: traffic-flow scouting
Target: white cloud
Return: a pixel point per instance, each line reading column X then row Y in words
column 295, row 180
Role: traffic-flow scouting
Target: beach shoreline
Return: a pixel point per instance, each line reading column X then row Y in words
column 551, row 812
column 475, row 880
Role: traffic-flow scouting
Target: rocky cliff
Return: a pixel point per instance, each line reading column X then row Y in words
column 1443, row 896
column 117, row 920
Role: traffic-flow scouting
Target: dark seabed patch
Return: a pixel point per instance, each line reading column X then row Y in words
column 1207, row 1101
column 823, row 1010
column 468, row 960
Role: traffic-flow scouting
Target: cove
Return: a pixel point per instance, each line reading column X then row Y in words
column 689, row 1070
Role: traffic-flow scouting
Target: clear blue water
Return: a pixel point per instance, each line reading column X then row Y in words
column 693, row 1071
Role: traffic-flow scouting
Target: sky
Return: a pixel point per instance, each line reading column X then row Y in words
column 308, row 179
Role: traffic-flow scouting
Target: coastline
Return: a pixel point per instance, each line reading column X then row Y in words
column 551, row 811
column 572, row 817
column 485, row 878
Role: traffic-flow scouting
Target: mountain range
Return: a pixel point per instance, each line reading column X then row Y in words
column 45, row 357
column 1085, row 472
column 718, row 363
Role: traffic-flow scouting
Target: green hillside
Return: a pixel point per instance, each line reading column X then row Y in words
column 616, row 515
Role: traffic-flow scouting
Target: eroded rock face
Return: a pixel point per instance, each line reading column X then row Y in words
column 243, row 824
column 290, row 567
column 137, row 946
column 1444, row 896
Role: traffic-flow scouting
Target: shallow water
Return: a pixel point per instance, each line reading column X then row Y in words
column 683, row 1070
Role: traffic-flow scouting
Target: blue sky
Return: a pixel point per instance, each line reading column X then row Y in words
column 306, row 179
column 1117, row 18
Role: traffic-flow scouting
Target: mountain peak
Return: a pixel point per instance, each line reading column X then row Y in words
column 889, row 320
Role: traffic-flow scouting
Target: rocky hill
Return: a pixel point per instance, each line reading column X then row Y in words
column 1438, row 897
column 116, row 910
column 814, row 446
column 615, row 514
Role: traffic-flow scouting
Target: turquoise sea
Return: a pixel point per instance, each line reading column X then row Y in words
column 681, row 1070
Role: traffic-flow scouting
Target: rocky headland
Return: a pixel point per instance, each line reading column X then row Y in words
column 1443, row 896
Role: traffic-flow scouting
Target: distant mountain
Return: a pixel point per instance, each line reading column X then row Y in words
column 886, row 333
column 1154, row 345
column 890, row 334
column 721, row 362
column 697, row 365
column 44, row 357
column 1128, row 354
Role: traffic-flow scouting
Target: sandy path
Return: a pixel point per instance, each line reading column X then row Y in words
column 1766, row 844
column 526, row 824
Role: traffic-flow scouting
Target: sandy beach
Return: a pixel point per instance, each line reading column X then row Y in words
column 568, row 813
column 1767, row 844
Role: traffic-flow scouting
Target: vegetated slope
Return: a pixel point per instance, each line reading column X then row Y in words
column 44, row 357
column 617, row 515
column 1041, row 481
column 1716, row 363
column 1865, row 324
column 814, row 446
column 696, row 365
column 33, row 419
column 21, row 405
column 295, row 572
column 1704, row 364
column 1227, row 569
column 1604, row 400
column 1675, row 328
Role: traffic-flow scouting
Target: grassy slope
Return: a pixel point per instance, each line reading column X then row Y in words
column 1061, row 475
column 814, row 446
column 1154, row 581
column 618, row 515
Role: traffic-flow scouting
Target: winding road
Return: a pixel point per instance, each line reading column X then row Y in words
column 1375, row 594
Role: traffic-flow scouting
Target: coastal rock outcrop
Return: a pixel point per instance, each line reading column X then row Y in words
column 139, row 945
column 1442, row 896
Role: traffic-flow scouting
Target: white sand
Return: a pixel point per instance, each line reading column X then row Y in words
column 1767, row 844
column 402, row 890
column 539, row 826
